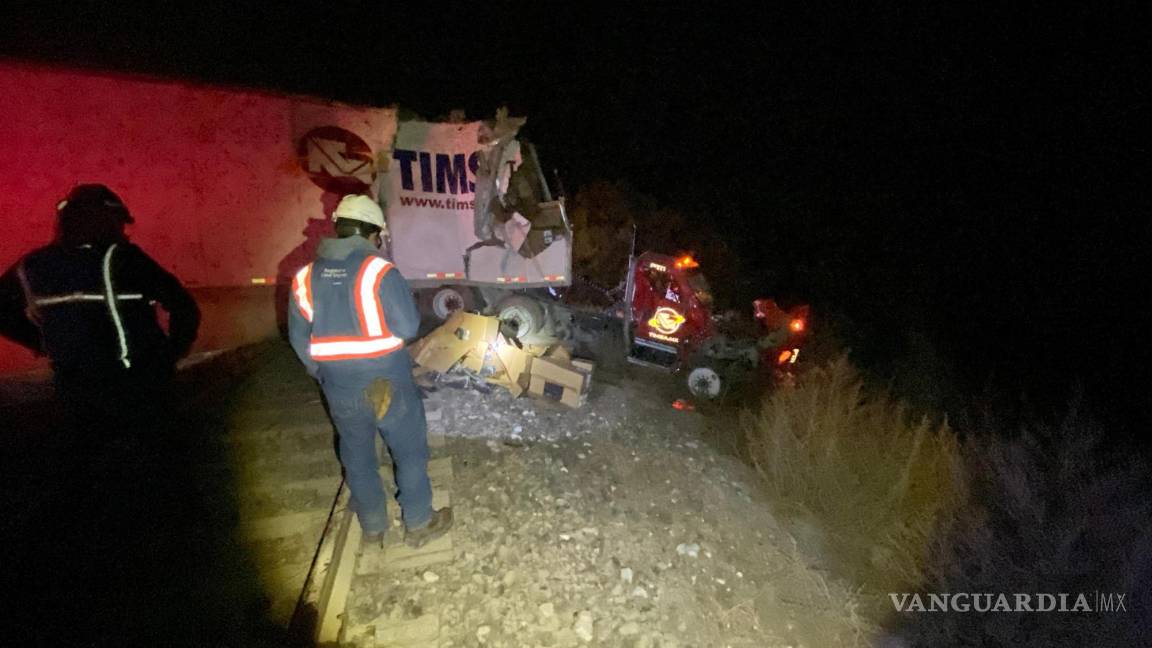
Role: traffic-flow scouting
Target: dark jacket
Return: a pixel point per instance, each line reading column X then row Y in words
column 333, row 292
column 92, row 308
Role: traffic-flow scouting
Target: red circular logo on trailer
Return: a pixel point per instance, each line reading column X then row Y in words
column 337, row 160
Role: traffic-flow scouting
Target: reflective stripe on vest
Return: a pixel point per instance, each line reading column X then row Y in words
column 34, row 302
column 369, row 308
column 376, row 340
column 302, row 289
column 114, row 307
column 83, row 297
column 351, row 348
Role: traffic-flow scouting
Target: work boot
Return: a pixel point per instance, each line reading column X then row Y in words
column 437, row 526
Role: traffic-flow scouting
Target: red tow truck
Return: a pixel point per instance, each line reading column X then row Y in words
column 669, row 325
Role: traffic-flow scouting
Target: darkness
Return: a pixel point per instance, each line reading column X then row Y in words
column 960, row 190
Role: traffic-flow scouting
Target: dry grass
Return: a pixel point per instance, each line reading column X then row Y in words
column 836, row 609
column 893, row 504
column 851, row 465
column 1051, row 509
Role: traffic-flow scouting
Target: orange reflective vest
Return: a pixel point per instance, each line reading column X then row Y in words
column 373, row 339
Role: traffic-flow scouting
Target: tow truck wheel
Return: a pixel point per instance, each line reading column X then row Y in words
column 443, row 301
column 705, row 383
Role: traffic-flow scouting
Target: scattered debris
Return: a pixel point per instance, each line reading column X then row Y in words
column 470, row 351
column 583, row 627
column 690, row 550
column 555, row 551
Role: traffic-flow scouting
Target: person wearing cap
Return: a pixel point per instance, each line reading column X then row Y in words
column 86, row 301
column 350, row 314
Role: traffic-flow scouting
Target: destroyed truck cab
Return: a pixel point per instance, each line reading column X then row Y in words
column 669, row 325
column 670, row 309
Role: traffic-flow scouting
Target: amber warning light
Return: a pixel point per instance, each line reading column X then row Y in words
column 789, row 356
column 686, row 261
column 796, row 325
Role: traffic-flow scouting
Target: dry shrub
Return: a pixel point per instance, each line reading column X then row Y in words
column 1049, row 510
column 899, row 505
column 876, row 481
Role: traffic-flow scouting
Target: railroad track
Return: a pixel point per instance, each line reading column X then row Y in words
column 265, row 506
column 294, row 519
column 277, row 451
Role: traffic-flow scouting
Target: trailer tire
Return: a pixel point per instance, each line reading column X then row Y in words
column 441, row 302
column 705, row 382
column 527, row 314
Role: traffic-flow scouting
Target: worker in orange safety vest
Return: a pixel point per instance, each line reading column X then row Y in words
column 350, row 313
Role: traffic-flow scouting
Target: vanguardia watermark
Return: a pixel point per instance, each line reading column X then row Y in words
column 985, row 602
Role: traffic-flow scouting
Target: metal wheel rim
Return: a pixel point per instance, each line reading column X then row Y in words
column 518, row 315
column 704, row 382
column 445, row 302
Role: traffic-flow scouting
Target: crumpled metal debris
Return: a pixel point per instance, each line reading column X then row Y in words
column 460, row 378
column 472, row 351
column 498, row 156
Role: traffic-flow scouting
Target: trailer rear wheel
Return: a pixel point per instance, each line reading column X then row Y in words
column 525, row 313
column 443, row 301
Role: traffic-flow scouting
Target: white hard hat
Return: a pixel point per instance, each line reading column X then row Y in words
column 362, row 208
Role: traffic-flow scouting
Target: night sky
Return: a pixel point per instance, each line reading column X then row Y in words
column 963, row 189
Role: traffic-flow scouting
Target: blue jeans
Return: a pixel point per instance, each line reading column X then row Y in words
column 405, row 432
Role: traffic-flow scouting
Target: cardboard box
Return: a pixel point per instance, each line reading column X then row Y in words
column 536, row 242
column 586, row 366
column 512, row 365
column 416, row 347
column 560, row 380
column 537, row 350
column 560, row 372
column 559, row 352
column 541, row 388
column 475, row 343
column 549, row 215
column 481, row 332
column 464, row 337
